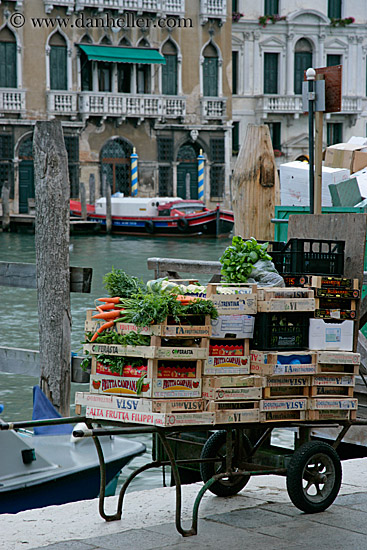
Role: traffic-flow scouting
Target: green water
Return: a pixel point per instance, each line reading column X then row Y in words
column 19, row 318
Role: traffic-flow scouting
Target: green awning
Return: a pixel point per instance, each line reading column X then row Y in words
column 120, row 54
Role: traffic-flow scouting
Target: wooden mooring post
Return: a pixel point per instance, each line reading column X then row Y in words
column 52, row 261
column 5, row 206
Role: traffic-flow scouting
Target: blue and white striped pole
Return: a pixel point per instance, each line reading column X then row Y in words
column 134, row 173
column 201, row 175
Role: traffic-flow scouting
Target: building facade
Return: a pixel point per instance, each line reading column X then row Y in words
column 152, row 76
column 273, row 42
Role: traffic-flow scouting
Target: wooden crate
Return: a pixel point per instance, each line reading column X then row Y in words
column 215, row 382
column 266, row 363
column 333, row 380
column 227, row 365
column 240, row 416
column 298, row 404
column 342, row 314
column 341, row 283
column 337, row 294
column 331, row 391
column 283, row 416
column 297, row 280
column 291, row 381
column 331, row 415
column 278, row 305
column 243, row 301
column 333, row 403
column 150, row 352
column 285, row 391
column 166, row 329
column 139, row 404
column 212, row 405
column 338, row 357
column 224, row 394
column 151, row 419
column 284, row 293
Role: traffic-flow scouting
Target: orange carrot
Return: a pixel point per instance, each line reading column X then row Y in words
column 186, row 299
column 114, row 300
column 101, row 329
column 105, row 307
column 107, row 315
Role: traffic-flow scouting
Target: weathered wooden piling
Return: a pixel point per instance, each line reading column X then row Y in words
column 83, row 200
column 52, row 192
column 108, row 209
column 5, row 206
column 255, row 185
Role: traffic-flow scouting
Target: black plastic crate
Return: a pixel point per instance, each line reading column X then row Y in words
column 281, row 331
column 302, row 256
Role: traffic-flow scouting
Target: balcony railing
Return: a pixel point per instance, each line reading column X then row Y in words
column 12, row 101
column 163, row 7
column 268, row 104
column 213, row 9
column 213, row 107
column 140, row 106
column 62, row 103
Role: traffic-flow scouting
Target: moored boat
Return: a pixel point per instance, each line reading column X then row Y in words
column 48, row 466
column 159, row 216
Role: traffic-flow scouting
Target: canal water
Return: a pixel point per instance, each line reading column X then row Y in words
column 19, row 317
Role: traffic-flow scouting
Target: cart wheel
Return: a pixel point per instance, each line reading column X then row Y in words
column 216, row 447
column 314, row 477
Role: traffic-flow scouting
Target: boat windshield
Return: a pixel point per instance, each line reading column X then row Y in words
column 189, row 208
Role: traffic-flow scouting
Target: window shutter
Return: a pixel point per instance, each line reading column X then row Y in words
column 302, row 61
column 8, row 65
column 271, row 73
column 271, row 7
column 58, row 72
column 210, row 74
column 169, row 75
column 334, row 9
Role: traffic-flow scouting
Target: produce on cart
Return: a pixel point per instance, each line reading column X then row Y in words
column 248, row 351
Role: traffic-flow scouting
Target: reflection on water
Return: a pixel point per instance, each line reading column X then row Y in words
column 19, row 318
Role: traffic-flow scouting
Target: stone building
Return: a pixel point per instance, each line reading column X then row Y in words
column 154, row 75
column 270, row 55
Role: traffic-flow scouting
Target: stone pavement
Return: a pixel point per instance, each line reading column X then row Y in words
column 261, row 516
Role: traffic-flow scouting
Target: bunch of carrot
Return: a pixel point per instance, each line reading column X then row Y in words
column 186, row 300
column 108, row 312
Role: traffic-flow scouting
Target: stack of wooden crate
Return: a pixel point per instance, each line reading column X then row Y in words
column 166, row 390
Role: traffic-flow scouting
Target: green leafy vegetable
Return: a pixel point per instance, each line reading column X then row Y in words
column 119, row 283
column 238, row 259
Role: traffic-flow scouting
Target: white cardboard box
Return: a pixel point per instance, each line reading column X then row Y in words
column 237, row 326
column 294, row 183
column 331, row 336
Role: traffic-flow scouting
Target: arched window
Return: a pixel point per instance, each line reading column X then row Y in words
column 105, row 71
column 210, row 71
column 86, row 67
column 124, row 72
column 143, row 74
column 115, row 165
column 58, row 63
column 169, row 70
column 8, row 59
column 302, row 62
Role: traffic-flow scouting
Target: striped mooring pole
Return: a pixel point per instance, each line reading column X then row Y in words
column 134, row 173
column 201, row 160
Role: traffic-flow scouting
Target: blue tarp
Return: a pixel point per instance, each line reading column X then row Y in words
column 42, row 410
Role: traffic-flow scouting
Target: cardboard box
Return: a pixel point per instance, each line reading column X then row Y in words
column 294, row 183
column 331, row 336
column 233, row 326
column 351, row 156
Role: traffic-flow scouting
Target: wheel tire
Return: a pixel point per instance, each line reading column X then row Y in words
column 314, row 477
column 182, row 224
column 149, row 227
column 216, row 446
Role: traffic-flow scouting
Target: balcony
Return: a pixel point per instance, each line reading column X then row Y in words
column 12, row 101
column 213, row 107
column 168, row 7
column 292, row 105
column 138, row 106
column 62, row 103
column 213, row 9
column 68, row 4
